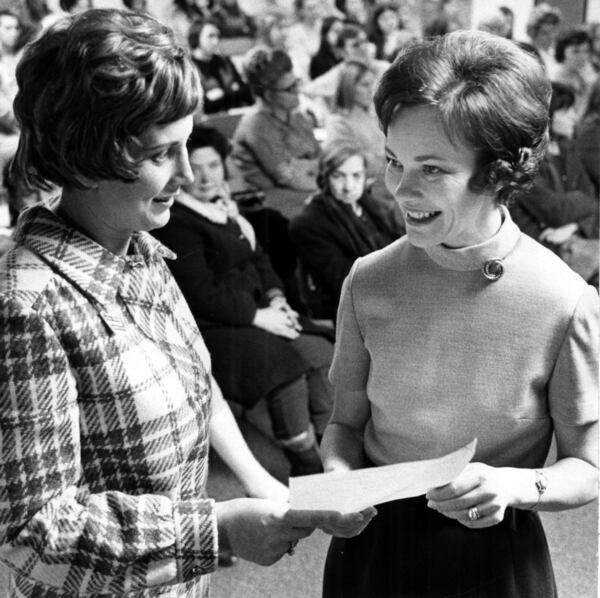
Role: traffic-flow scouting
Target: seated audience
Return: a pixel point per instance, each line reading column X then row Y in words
column 271, row 30
column 222, row 85
column 327, row 55
column 387, row 32
column 543, row 26
column 180, row 15
column 353, row 121
column 561, row 208
column 340, row 223
column 255, row 338
column 573, row 55
column 274, row 146
column 353, row 45
column 232, row 20
column 587, row 136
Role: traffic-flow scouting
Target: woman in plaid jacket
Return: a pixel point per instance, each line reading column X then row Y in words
column 107, row 403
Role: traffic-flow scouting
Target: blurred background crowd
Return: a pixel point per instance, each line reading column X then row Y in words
column 289, row 163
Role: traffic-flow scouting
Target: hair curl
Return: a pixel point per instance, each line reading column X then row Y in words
column 490, row 95
column 87, row 86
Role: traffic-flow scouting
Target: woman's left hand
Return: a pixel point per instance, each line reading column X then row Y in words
column 480, row 490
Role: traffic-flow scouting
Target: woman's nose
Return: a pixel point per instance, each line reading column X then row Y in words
column 185, row 174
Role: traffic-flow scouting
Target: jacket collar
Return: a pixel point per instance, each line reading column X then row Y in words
column 97, row 272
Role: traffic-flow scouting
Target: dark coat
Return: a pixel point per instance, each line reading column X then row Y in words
column 562, row 193
column 224, row 282
column 329, row 237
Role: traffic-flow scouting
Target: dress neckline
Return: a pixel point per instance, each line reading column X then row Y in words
column 474, row 257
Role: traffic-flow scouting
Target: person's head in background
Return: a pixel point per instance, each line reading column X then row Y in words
column 330, row 32
column 563, row 116
column 356, row 12
column 120, row 170
column 494, row 21
column 355, row 87
column 309, row 11
column 573, row 49
column 509, row 17
column 476, row 106
column 272, row 30
column 342, row 173
column 75, row 6
column 269, row 73
column 207, row 150
column 194, row 9
column 203, row 38
column 543, row 25
column 353, row 43
column 10, row 30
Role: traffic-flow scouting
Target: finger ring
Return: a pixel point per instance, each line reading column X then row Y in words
column 473, row 514
column 292, row 548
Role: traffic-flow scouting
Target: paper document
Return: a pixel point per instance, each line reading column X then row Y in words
column 355, row 490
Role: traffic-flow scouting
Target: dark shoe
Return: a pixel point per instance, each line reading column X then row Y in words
column 304, row 462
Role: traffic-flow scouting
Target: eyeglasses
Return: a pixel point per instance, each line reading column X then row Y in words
column 291, row 88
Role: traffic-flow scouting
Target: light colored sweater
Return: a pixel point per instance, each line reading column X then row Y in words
column 446, row 355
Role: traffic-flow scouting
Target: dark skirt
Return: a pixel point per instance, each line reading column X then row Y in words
column 249, row 363
column 411, row 551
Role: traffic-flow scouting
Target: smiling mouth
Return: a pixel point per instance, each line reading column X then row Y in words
column 166, row 198
column 420, row 217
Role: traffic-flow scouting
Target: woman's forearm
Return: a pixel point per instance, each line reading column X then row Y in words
column 342, row 448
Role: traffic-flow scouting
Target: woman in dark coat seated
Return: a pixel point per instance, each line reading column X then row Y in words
column 340, row 223
column 255, row 339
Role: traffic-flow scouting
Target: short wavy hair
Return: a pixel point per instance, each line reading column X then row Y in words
column 264, row 66
column 351, row 73
column 490, row 95
column 575, row 36
column 91, row 84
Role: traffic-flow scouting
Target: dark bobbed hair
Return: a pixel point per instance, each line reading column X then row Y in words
column 575, row 36
column 206, row 136
column 542, row 14
column 196, row 29
column 264, row 66
column 489, row 94
column 333, row 156
column 89, row 85
column 326, row 25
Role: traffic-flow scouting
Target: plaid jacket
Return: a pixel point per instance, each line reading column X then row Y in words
column 104, row 413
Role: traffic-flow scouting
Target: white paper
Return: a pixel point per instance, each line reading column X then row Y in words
column 358, row 489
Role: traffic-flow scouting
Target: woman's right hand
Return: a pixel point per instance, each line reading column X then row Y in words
column 259, row 530
column 276, row 321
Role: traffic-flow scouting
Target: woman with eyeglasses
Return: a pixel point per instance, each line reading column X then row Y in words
column 274, row 145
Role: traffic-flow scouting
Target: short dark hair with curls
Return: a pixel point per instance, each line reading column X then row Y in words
column 575, row 36
column 264, row 66
column 88, row 86
column 489, row 94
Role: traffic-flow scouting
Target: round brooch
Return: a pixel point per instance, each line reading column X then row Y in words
column 493, row 269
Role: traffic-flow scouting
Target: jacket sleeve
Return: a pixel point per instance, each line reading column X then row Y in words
column 53, row 530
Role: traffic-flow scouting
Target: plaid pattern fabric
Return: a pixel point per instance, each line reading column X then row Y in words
column 104, row 414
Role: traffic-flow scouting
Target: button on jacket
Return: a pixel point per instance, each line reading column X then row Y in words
column 104, row 412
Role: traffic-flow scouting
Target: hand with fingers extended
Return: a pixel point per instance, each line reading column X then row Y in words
column 477, row 498
column 276, row 321
column 259, row 530
column 341, row 525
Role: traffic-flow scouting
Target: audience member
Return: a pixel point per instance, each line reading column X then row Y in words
column 561, row 208
column 509, row 17
column 222, row 85
column 575, row 69
column 232, row 20
column 304, row 35
column 180, row 15
column 328, row 54
column 271, row 30
column 10, row 28
column 108, row 398
column 340, row 223
column 543, row 26
column 274, row 146
column 587, row 136
column 386, row 31
column 254, row 337
column 353, row 45
column 446, row 20
column 494, row 21
column 356, row 11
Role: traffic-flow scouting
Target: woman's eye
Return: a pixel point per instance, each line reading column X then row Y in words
column 393, row 162
column 429, row 169
column 160, row 157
